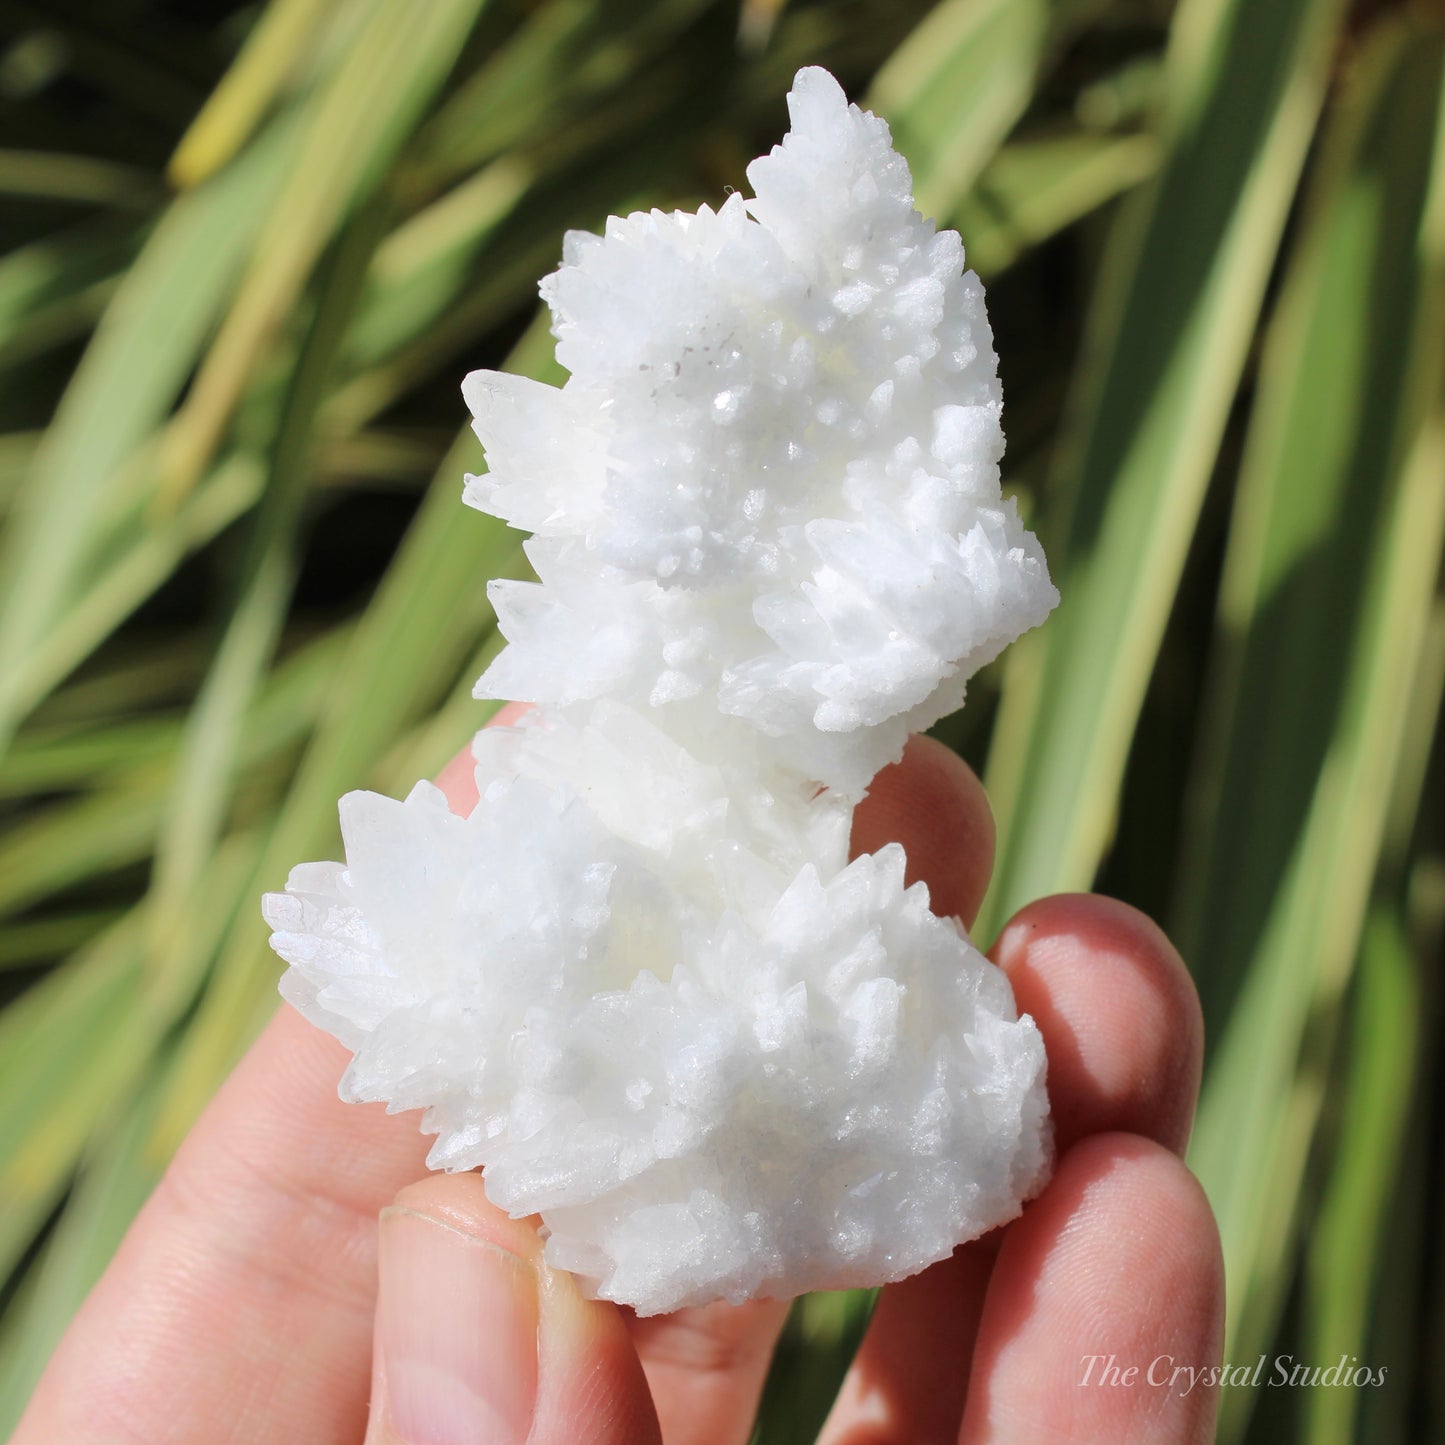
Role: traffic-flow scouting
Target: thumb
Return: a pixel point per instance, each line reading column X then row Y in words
column 479, row 1342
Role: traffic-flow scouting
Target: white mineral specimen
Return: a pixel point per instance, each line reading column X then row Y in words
column 642, row 984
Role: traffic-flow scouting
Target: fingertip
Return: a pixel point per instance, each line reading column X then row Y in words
column 1104, row 1316
column 1101, row 921
column 1123, row 1238
column 932, row 802
column 458, row 780
column 1119, row 1014
column 1126, row 1202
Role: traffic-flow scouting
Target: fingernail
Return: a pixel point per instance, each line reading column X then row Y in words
column 456, row 1334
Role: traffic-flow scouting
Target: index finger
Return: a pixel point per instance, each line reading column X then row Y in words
column 239, row 1306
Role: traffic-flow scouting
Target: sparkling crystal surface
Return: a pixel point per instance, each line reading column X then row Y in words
column 642, row 984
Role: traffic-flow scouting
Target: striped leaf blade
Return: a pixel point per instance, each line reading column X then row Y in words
column 1177, row 307
column 1328, row 584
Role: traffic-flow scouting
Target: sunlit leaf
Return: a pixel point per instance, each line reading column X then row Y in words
column 1174, row 316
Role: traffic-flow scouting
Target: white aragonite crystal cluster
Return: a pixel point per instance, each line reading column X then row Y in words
column 642, row 984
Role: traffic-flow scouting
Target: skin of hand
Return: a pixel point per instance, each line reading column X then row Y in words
column 298, row 1276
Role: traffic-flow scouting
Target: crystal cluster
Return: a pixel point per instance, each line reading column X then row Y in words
column 642, row 984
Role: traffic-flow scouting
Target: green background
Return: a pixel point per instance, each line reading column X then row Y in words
column 248, row 253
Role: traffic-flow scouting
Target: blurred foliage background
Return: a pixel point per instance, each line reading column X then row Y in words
column 249, row 251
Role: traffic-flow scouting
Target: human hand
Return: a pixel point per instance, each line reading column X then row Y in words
column 242, row 1307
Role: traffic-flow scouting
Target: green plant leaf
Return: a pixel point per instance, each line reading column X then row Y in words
column 38, row 940
column 114, row 826
column 56, row 288
column 1354, row 1213
column 276, row 48
column 210, row 749
column 1177, row 307
column 121, row 582
column 136, row 364
column 565, row 56
column 83, row 179
column 361, row 117
column 1034, row 188
column 1339, row 523
column 955, row 88
column 61, row 1056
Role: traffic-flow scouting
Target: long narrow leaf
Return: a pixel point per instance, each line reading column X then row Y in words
column 1033, row 189
column 1339, row 527
column 208, row 760
column 1172, row 327
column 273, row 51
column 360, row 121
column 132, row 372
column 954, row 89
